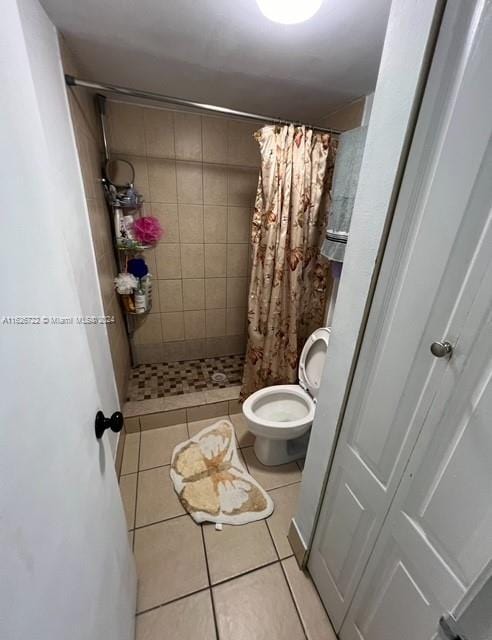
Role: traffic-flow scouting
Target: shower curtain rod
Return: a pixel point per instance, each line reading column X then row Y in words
column 148, row 95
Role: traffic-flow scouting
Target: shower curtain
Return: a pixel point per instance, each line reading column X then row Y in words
column 289, row 283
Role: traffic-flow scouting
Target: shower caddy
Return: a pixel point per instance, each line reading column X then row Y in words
column 125, row 206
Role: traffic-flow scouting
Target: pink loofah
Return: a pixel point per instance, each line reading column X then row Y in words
column 147, row 230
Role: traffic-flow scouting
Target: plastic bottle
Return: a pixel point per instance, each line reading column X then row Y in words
column 140, row 298
column 146, row 286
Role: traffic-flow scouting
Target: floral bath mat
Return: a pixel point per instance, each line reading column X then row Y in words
column 211, row 482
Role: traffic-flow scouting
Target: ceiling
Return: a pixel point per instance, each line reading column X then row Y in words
column 225, row 52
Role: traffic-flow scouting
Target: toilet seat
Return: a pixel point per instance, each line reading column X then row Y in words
column 280, row 415
column 261, row 409
column 312, row 360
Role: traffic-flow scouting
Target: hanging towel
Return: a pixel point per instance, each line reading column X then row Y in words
column 345, row 179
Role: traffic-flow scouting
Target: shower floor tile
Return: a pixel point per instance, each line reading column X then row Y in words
column 149, row 381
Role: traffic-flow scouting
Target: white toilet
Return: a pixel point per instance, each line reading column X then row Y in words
column 280, row 416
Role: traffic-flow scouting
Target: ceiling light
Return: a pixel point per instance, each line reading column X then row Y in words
column 289, row 11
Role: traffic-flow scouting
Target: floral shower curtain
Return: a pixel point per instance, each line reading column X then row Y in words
column 289, row 284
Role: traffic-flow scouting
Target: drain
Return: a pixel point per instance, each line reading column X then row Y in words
column 219, row 377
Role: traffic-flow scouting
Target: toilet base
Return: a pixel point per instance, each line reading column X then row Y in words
column 273, row 452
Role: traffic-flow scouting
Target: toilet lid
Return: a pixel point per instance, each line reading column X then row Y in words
column 313, row 360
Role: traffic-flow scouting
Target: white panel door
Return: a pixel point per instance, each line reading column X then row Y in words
column 432, row 272
column 437, row 537
column 67, row 571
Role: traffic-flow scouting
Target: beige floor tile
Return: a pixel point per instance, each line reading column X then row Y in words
column 132, row 425
column 142, row 407
column 164, row 418
column 237, row 549
column 156, row 498
column 186, row 619
column 285, row 499
column 271, row 477
column 170, row 561
column 243, row 461
column 257, row 605
column 156, row 445
column 192, row 399
column 130, row 453
column 244, row 437
column 218, row 395
column 205, row 411
column 312, row 612
column 198, row 425
column 128, row 489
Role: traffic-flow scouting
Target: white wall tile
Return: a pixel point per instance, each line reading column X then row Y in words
column 188, row 136
column 192, row 260
column 172, row 326
column 215, row 184
column 126, row 128
column 189, row 181
column 215, row 293
column 243, row 149
column 215, row 322
column 167, row 215
column 190, row 223
column 215, row 224
column 159, row 133
column 237, row 260
column 215, row 260
column 237, row 291
column 236, row 321
column 238, row 224
column 170, row 295
column 214, row 136
column 148, row 329
column 194, row 324
column 162, row 180
column 193, row 294
column 242, row 185
column 168, row 261
column 201, row 262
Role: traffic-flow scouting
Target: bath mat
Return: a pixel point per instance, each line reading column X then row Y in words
column 211, row 482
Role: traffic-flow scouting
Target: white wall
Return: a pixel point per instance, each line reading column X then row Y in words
column 66, row 567
column 366, row 114
column 401, row 75
column 68, row 191
column 330, row 309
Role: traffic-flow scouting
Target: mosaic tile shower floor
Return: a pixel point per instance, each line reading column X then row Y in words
column 177, row 378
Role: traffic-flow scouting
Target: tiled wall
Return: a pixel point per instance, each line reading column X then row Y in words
column 198, row 175
column 88, row 141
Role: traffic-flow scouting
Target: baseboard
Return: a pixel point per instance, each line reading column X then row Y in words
column 118, row 460
column 298, row 545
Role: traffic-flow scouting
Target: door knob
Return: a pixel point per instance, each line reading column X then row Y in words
column 441, row 349
column 115, row 423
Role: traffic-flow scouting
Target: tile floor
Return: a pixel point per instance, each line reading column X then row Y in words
column 242, row 583
column 149, row 381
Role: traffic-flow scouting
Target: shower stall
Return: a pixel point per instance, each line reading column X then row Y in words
column 194, row 168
